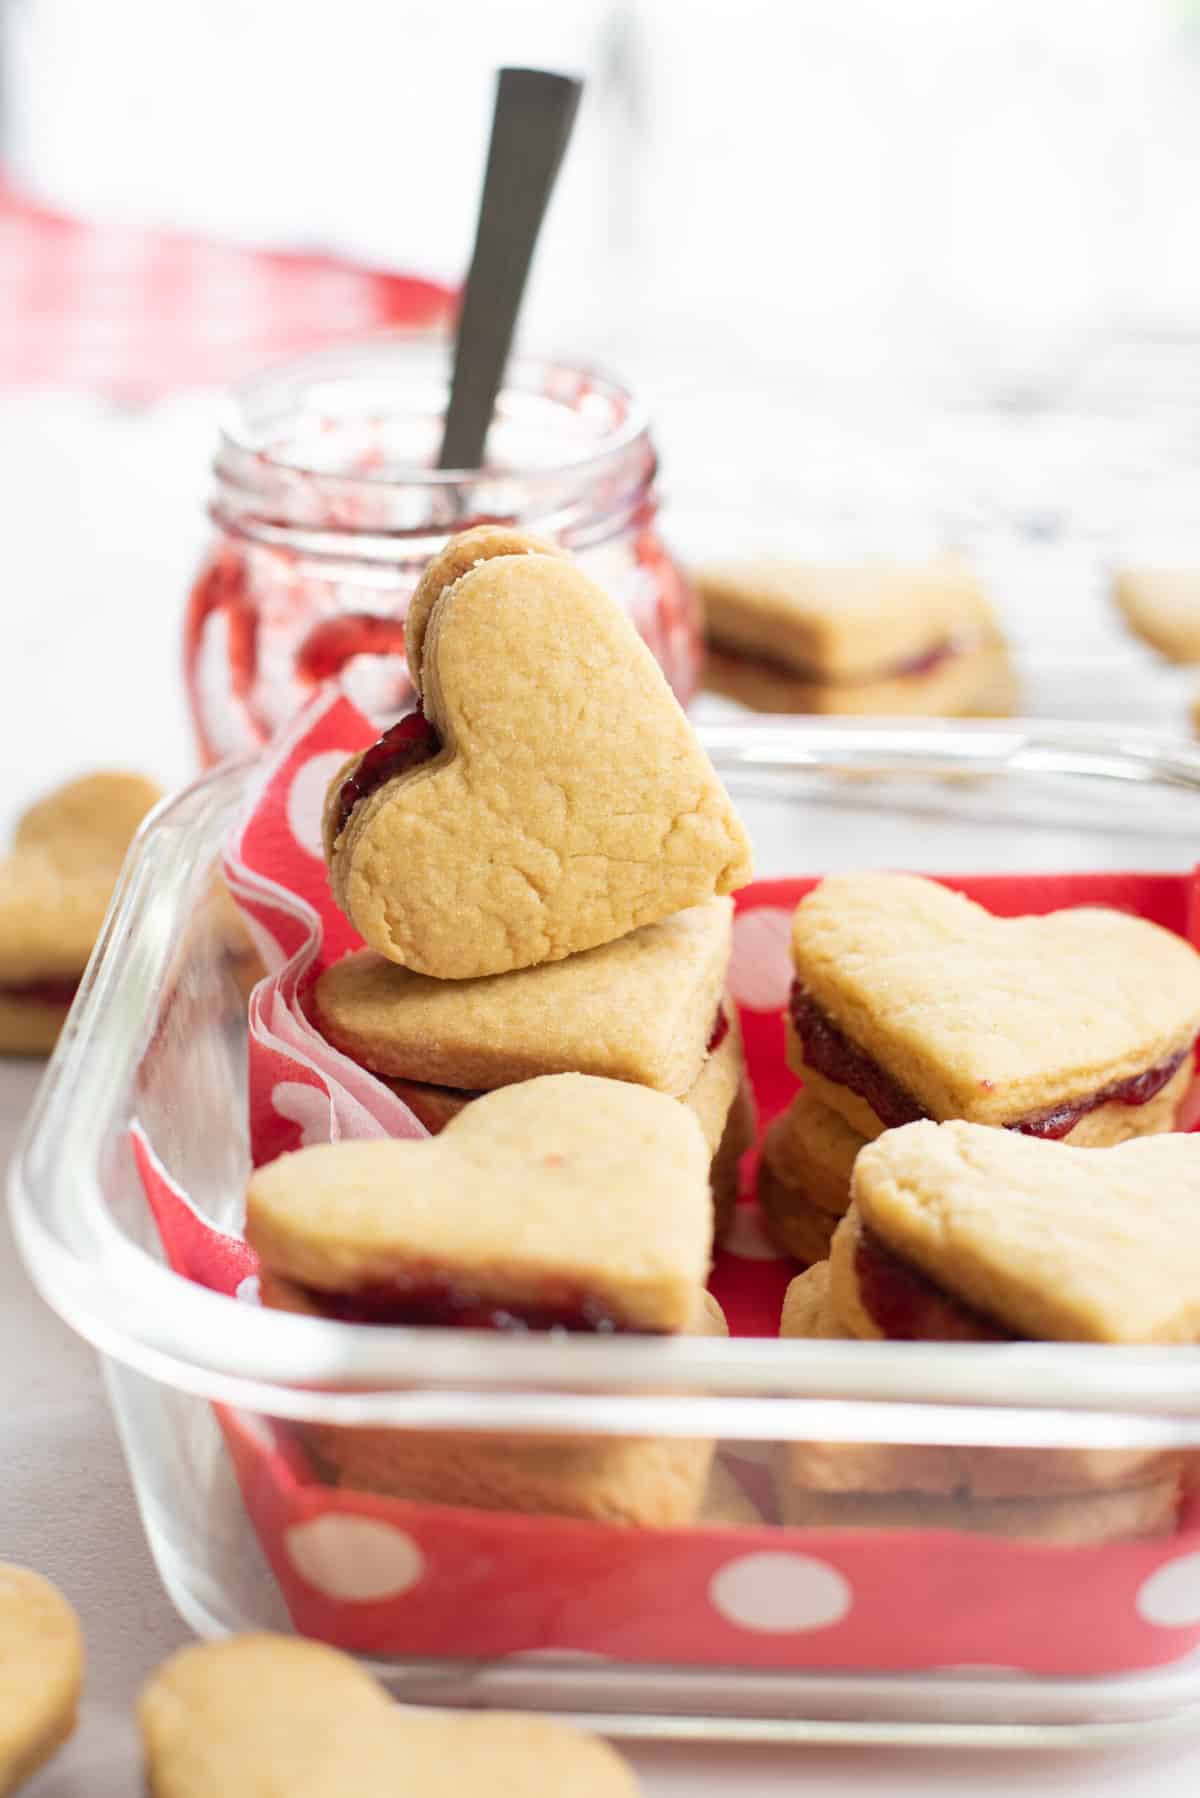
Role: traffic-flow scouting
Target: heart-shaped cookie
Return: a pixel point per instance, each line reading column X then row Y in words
column 257, row 1715
column 551, row 795
column 569, row 1201
column 1014, row 1472
column 41, row 1670
column 55, row 886
column 1041, row 1239
column 641, row 1008
column 912, row 1001
column 652, row 1482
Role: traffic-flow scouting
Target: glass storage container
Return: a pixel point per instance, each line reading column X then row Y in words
column 739, row 1626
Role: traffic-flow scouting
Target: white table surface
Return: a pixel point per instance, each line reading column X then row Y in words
column 93, row 574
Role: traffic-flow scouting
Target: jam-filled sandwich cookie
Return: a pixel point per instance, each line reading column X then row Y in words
column 644, row 1481
column 548, row 796
column 41, row 1671
column 567, row 1202
column 647, row 1008
column 867, row 638
column 911, row 1001
column 985, row 1234
column 1162, row 606
column 804, row 1177
column 959, row 1232
column 55, row 885
column 261, row 1714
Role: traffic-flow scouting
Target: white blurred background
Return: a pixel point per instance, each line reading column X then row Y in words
column 891, row 275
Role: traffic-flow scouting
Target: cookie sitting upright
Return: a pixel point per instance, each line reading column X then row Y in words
column 549, row 796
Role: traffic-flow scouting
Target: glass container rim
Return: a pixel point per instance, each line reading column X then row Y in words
column 138, row 1310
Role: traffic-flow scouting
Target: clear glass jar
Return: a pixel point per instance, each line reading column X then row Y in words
column 327, row 507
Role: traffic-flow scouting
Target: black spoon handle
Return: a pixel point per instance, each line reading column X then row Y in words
column 531, row 128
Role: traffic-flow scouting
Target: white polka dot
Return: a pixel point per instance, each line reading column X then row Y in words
column 307, row 1106
column 1171, row 1596
column 306, row 798
column 354, row 1558
column 780, row 1592
column 248, row 1290
column 760, row 969
column 746, row 1237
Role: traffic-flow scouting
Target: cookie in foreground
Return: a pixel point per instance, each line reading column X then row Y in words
column 257, row 1714
column 41, row 1671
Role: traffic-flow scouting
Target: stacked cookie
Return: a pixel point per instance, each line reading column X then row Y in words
column 910, row 1002
column 871, row 638
column 537, row 859
column 964, row 1233
column 565, row 1203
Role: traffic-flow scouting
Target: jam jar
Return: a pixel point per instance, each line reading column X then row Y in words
column 327, row 505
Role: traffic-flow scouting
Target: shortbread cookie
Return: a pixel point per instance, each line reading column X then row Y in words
column 719, row 1098
column 912, row 1001
column 642, row 1009
column 860, row 621
column 725, row 1173
column 55, row 886
column 41, row 1671
column 804, row 1176
column 550, row 796
column 726, row 1502
column 650, row 1481
column 481, row 543
column 808, row 1306
column 1078, row 1520
column 985, row 1233
column 255, row 1715
column 973, row 680
column 567, row 1201
column 945, row 1469
column 1162, row 605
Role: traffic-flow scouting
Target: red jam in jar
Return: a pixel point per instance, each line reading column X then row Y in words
column 327, row 506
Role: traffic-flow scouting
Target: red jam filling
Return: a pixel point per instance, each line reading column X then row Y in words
column 444, row 1305
column 828, row 1051
column 404, row 747
column 720, row 1031
column 909, row 1307
column 927, row 661
column 43, row 992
